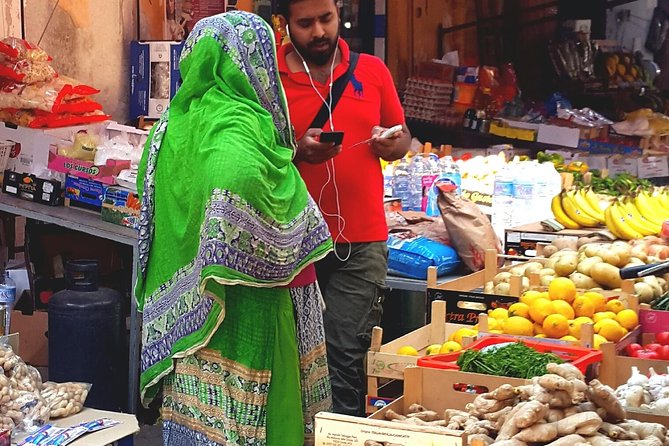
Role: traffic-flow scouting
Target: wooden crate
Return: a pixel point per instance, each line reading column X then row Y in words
column 383, row 362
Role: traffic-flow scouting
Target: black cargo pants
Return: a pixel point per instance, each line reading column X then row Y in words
column 353, row 291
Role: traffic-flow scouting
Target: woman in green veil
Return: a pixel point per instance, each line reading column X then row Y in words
column 231, row 311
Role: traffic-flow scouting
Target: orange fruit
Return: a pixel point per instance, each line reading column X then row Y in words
column 628, row 319
column 499, row 313
column 562, row 307
column 538, row 329
column 603, row 315
column 519, row 309
column 519, row 326
column 556, row 326
column 583, row 307
column 562, row 288
column 610, row 329
column 528, row 297
column 615, row 305
column 597, row 299
column 540, row 309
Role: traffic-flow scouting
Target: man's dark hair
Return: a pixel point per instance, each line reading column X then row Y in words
column 283, row 7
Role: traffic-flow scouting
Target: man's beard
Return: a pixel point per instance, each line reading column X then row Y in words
column 318, row 56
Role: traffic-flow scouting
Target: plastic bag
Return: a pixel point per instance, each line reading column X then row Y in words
column 39, row 119
column 13, row 48
column 26, row 71
column 65, row 399
column 46, row 96
column 470, row 229
column 412, row 256
column 29, row 411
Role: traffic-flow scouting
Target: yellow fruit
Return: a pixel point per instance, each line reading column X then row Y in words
column 433, row 349
column 538, row 329
column 544, row 295
column 569, row 338
column 556, row 326
column 541, row 308
column 603, row 315
column 575, row 328
column 528, row 297
column 615, row 305
column 627, row 319
column 562, row 307
column 598, row 340
column 540, row 335
column 519, row 309
column 494, row 324
column 597, row 299
column 462, row 333
column 496, row 331
column 519, row 326
column 499, row 313
column 584, row 320
column 562, row 288
column 610, row 329
column 450, row 347
column 407, row 350
column 583, row 307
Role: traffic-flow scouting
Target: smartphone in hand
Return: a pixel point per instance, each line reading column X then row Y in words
column 334, row 137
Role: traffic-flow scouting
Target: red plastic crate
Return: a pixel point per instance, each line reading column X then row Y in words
column 581, row 357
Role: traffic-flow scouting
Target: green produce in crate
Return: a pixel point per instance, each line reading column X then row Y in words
column 662, row 303
column 513, row 360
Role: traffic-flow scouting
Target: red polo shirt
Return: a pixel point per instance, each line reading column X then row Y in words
column 369, row 99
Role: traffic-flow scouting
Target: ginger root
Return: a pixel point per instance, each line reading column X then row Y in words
column 539, row 433
column 603, row 397
column 569, row 440
column 566, row 370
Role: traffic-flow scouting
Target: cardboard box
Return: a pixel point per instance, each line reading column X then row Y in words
column 31, row 151
column 154, row 76
column 522, row 240
column 84, row 193
column 32, row 342
column 86, row 169
column 31, row 188
column 653, row 167
column 121, row 206
column 618, row 164
column 653, row 321
column 558, row 135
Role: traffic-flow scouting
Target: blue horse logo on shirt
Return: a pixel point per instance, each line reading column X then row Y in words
column 357, row 86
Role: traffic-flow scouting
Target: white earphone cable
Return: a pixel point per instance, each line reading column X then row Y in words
column 341, row 221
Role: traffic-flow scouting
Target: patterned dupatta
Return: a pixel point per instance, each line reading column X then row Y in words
column 222, row 203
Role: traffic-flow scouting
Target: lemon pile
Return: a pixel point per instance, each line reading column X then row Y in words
column 451, row 345
column 559, row 313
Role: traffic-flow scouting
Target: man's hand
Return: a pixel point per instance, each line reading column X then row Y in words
column 392, row 148
column 310, row 150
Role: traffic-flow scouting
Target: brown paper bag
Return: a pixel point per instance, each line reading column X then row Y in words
column 470, row 230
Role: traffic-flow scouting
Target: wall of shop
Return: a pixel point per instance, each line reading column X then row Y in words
column 89, row 41
column 10, row 18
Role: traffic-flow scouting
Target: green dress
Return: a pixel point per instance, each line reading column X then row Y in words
column 232, row 321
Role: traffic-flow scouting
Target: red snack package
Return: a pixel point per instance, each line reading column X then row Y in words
column 14, row 48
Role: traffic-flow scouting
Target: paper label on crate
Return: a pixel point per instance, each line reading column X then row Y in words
column 618, row 165
column 653, row 167
column 465, row 307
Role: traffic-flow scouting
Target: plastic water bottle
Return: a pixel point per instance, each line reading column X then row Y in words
column 417, row 170
column 7, row 300
column 432, row 171
column 502, row 201
column 524, row 194
column 448, row 179
column 549, row 184
column 400, row 183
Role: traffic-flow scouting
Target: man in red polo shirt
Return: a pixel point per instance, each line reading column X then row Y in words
column 345, row 180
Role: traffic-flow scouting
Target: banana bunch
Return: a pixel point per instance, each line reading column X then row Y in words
column 638, row 216
column 578, row 208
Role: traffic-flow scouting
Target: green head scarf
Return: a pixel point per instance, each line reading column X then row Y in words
column 222, row 202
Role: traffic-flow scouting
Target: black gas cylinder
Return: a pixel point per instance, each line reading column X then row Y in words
column 85, row 336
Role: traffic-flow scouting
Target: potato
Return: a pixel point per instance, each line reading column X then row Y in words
column 606, row 275
column 533, row 267
column 502, row 277
column 518, row 270
column 663, row 284
column 546, row 280
column 546, row 272
column 524, row 284
column 624, row 254
column 653, row 282
column 635, row 261
column 489, row 288
column 640, row 252
column 584, row 266
column 566, row 265
column 550, row 263
column 549, row 250
column 565, row 243
column 503, row 289
column 610, row 256
column 644, row 292
column 592, row 249
column 582, row 281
